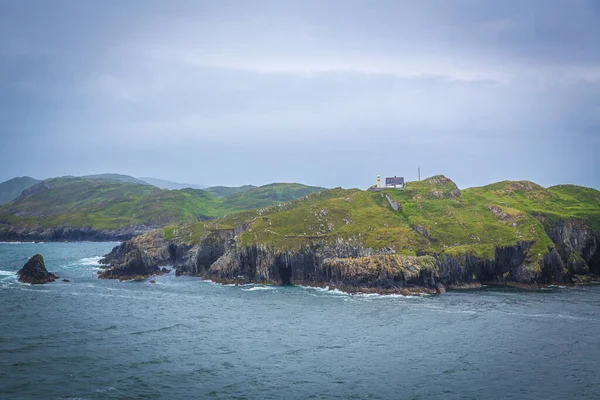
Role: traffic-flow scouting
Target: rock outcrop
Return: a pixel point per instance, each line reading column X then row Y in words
column 34, row 271
column 578, row 246
column 128, row 261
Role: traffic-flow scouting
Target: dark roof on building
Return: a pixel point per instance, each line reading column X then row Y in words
column 397, row 180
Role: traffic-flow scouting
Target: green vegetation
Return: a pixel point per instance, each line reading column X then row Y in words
column 12, row 188
column 116, row 177
column 434, row 217
column 265, row 196
column 112, row 204
column 224, row 191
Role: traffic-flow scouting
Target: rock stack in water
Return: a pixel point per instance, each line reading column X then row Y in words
column 34, row 271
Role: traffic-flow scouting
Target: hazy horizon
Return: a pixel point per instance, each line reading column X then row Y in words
column 325, row 93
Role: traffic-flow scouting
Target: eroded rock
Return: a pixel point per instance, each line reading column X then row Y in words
column 34, row 271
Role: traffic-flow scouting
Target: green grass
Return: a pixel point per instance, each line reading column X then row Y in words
column 224, row 191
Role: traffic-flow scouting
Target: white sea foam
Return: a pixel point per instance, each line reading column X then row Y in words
column 256, row 288
column 336, row 292
column 8, row 273
column 90, row 260
column 325, row 290
column 19, row 242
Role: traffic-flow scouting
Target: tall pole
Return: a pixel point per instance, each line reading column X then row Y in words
column 419, row 173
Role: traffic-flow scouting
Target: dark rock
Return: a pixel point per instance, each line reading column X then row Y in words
column 34, row 271
column 440, row 288
column 577, row 244
column 152, row 281
column 66, row 280
column 137, row 265
column 212, row 246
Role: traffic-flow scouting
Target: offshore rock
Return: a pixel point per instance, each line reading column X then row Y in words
column 34, row 271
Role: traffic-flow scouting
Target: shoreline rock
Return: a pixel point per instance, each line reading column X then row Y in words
column 16, row 233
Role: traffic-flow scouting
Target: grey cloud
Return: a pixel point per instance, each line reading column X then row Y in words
column 323, row 92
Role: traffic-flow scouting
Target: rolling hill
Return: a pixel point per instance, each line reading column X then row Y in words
column 116, row 177
column 111, row 205
column 224, row 191
column 12, row 188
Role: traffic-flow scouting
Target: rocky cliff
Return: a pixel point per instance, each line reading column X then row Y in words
column 137, row 259
column 220, row 257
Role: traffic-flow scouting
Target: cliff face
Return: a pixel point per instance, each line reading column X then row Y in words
column 578, row 246
column 220, row 257
column 137, row 259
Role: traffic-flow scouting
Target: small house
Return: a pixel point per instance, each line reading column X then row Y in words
column 396, row 182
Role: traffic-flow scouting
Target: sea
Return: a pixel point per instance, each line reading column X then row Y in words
column 188, row 338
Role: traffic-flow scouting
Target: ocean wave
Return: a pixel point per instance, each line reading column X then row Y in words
column 391, row 296
column 90, row 261
column 20, row 242
column 337, row 292
column 324, row 290
column 256, row 288
column 8, row 273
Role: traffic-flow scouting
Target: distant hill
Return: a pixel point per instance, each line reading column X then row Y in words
column 117, row 177
column 164, row 184
column 224, row 191
column 12, row 188
column 267, row 195
column 111, row 205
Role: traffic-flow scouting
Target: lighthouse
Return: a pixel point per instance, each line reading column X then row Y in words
column 378, row 181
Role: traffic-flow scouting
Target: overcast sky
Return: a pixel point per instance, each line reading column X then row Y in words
column 328, row 93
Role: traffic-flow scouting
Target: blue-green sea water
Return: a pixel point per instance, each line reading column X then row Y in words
column 187, row 338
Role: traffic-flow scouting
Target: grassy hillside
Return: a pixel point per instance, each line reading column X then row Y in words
column 12, row 188
column 111, row 204
column 433, row 217
column 265, row 196
column 224, row 191
column 116, row 177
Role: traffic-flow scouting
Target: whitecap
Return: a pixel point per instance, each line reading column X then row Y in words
column 255, row 288
column 90, row 261
column 8, row 273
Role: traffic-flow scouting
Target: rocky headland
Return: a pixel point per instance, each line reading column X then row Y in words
column 426, row 239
